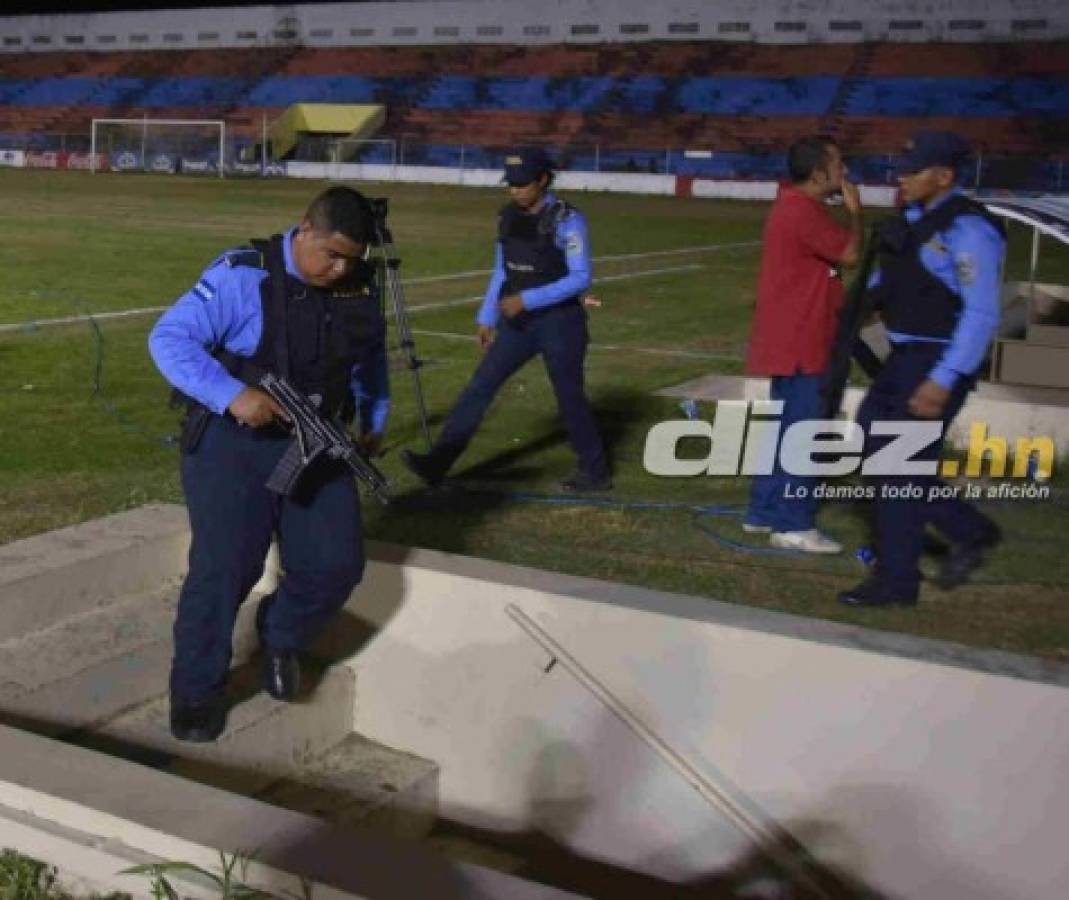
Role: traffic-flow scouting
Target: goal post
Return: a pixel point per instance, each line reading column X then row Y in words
column 159, row 145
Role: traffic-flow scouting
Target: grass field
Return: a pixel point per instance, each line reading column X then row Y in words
column 85, row 429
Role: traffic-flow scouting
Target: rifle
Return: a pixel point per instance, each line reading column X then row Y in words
column 314, row 435
column 848, row 343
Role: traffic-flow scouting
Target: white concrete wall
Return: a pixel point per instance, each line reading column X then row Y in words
column 520, row 22
column 616, row 182
column 924, row 778
column 928, row 769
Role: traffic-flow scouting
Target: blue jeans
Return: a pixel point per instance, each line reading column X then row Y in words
column 768, row 504
column 559, row 335
column 233, row 516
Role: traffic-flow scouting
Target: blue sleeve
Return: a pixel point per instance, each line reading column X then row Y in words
column 978, row 253
column 221, row 311
column 573, row 239
column 488, row 312
column 371, row 390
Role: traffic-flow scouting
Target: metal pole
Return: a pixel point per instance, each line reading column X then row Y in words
column 93, row 147
column 597, row 157
column 1032, row 276
column 774, row 842
column 979, row 165
column 222, row 149
column 263, row 144
column 144, row 141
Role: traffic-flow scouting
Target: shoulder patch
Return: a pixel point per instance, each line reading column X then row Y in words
column 965, row 268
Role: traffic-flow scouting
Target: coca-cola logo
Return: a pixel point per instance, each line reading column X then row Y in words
column 49, row 159
column 86, row 161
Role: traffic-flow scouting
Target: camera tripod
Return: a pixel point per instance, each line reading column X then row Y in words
column 390, row 286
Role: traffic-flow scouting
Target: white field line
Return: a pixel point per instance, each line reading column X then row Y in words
column 85, row 317
column 464, row 301
column 618, row 257
column 651, row 351
column 146, row 310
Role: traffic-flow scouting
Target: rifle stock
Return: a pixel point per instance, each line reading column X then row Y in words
column 848, row 344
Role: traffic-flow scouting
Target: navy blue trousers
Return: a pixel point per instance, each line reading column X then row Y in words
column 900, row 523
column 559, row 335
column 769, row 504
column 233, row 518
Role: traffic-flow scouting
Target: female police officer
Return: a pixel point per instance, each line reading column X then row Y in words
column 532, row 307
column 299, row 306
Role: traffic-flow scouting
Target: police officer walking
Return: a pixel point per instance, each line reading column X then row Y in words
column 300, row 306
column 938, row 293
column 532, row 307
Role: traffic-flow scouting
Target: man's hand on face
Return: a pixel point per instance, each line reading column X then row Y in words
column 254, row 408
column 929, row 400
column 485, row 337
column 851, row 197
column 511, row 306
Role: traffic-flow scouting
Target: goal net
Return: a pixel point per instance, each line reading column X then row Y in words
column 159, row 145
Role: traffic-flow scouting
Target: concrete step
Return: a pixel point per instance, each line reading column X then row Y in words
column 89, row 667
column 50, row 577
column 360, row 782
column 265, row 740
column 79, row 642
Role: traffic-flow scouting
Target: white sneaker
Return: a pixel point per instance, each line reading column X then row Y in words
column 811, row 541
column 754, row 528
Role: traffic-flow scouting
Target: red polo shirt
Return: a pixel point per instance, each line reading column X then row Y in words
column 798, row 295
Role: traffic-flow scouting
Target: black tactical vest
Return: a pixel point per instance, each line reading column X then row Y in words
column 311, row 336
column 528, row 244
column 911, row 299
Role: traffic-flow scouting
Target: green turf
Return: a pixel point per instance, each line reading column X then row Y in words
column 76, row 243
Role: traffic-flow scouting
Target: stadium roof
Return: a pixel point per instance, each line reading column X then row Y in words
column 52, row 7
column 1048, row 215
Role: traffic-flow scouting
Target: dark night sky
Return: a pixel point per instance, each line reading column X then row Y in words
column 19, row 7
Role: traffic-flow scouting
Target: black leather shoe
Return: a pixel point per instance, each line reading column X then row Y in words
column 282, row 674
column 421, row 465
column 962, row 559
column 580, row 483
column 200, row 722
column 873, row 592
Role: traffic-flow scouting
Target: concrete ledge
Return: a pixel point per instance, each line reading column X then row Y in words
column 1009, row 410
column 91, row 816
column 716, row 612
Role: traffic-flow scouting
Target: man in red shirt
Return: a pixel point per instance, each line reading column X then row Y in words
column 799, row 294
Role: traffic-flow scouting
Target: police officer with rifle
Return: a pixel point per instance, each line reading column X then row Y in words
column 274, row 348
column 937, row 291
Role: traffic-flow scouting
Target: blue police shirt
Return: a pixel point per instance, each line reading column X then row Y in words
column 224, row 309
column 967, row 258
column 571, row 237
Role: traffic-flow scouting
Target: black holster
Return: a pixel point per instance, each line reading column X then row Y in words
column 192, row 428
